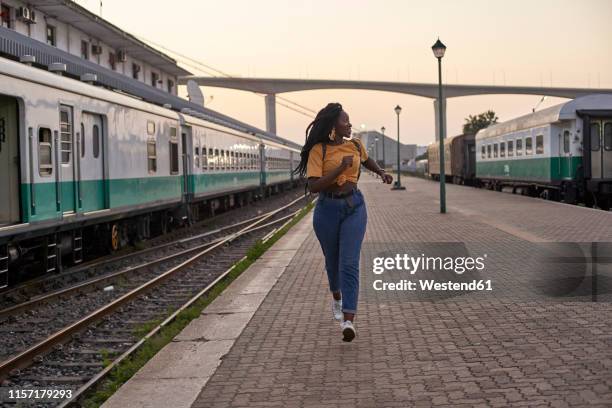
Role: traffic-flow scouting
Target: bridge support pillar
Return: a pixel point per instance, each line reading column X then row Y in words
column 437, row 117
column 271, row 113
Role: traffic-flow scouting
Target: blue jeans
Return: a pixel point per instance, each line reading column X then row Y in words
column 340, row 229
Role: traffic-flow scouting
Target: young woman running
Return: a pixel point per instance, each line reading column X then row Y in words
column 332, row 160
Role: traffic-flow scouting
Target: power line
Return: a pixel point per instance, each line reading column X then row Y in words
column 208, row 68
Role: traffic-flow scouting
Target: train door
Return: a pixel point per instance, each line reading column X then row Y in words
column 9, row 161
column 601, row 148
column 91, row 163
column 565, row 155
column 470, row 159
column 66, row 155
column 187, row 150
column 263, row 170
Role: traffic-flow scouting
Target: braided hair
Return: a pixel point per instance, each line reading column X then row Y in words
column 318, row 132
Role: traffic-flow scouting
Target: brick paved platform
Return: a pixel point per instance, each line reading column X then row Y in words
column 541, row 337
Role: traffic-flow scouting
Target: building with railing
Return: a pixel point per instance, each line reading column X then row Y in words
column 69, row 27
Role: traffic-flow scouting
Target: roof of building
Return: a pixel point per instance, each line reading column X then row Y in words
column 72, row 13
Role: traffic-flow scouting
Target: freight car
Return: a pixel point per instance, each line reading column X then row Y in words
column 459, row 159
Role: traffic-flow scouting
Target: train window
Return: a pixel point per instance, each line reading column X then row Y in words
column 233, row 164
column 608, row 136
column 150, row 127
column 204, row 159
column 197, row 157
column 495, row 150
column 482, row 152
column 173, row 132
column 510, row 148
column 95, row 141
column 151, row 156
column 65, row 135
column 488, row 151
column 566, row 141
column 45, row 159
column 528, row 146
column 223, row 160
column 595, row 142
column 540, row 144
column 174, row 157
column 502, row 149
column 82, row 139
column 519, row 147
column 216, row 159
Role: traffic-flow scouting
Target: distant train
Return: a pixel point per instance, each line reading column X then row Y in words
column 459, row 159
column 562, row 153
column 83, row 166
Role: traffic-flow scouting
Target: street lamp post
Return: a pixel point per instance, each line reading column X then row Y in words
column 382, row 129
column 398, row 184
column 376, row 148
column 438, row 49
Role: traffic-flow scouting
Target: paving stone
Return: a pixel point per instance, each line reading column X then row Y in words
column 524, row 344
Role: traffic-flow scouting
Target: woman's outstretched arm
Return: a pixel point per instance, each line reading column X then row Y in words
column 373, row 166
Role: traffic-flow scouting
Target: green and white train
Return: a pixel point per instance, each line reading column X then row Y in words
column 563, row 152
column 82, row 166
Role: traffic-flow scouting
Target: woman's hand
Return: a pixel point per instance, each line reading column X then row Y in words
column 347, row 161
column 386, row 178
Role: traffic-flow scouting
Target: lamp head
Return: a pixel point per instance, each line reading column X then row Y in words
column 439, row 49
column 382, row 129
column 398, row 109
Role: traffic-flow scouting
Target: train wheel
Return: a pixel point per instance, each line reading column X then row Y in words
column 115, row 238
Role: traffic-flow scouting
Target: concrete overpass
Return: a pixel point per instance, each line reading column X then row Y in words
column 272, row 86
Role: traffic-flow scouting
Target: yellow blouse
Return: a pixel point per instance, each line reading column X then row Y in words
column 333, row 159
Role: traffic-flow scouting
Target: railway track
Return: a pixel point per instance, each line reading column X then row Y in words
column 73, row 275
column 73, row 355
column 210, row 238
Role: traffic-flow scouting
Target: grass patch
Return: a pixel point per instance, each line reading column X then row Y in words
column 127, row 368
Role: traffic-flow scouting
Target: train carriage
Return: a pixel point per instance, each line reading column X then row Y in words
column 562, row 152
column 222, row 160
column 82, row 166
column 278, row 163
column 459, row 163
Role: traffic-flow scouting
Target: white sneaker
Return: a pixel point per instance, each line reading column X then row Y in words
column 337, row 309
column 348, row 330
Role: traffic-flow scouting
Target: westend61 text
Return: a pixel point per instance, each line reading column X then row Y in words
column 432, row 285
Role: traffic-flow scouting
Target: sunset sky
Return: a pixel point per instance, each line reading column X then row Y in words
column 532, row 43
